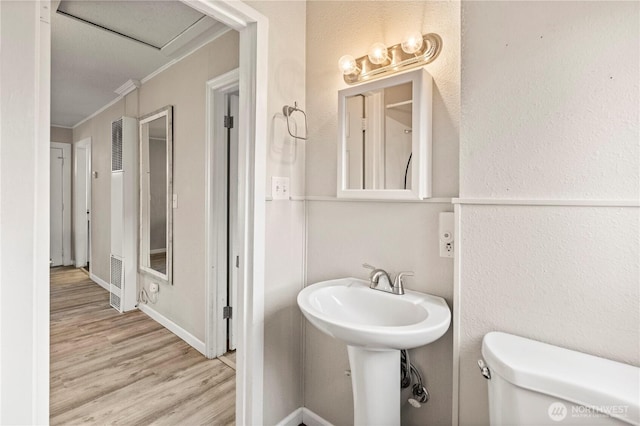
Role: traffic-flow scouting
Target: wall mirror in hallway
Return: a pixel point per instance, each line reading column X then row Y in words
column 385, row 138
column 156, row 193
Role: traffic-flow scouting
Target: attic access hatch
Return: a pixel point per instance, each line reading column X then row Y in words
column 168, row 26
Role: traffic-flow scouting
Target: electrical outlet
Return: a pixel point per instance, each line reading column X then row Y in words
column 445, row 234
column 279, row 188
column 153, row 288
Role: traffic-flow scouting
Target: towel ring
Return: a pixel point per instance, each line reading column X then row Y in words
column 287, row 111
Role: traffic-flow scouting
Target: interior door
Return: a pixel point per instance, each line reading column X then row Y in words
column 233, row 252
column 82, row 206
column 56, row 252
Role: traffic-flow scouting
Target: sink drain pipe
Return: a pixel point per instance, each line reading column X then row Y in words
column 408, row 372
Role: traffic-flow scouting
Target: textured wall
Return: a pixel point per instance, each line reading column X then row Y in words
column 396, row 236
column 549, row 112
column 550, row 100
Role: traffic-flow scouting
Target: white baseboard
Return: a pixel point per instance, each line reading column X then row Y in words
column 102, row 283
column 196, row 343
column 293, row 419
column 303, row 415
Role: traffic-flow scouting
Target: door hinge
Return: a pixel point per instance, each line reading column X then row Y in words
column 237, row 261
column 228, row 121
column 364, row 123
column 227, row 312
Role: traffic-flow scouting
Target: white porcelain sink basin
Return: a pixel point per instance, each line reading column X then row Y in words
column 349, row 310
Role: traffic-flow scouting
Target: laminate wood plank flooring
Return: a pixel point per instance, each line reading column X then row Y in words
column 112, row 368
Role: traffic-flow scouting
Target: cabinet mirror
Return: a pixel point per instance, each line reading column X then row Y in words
column 384, row 149
column 156, row 155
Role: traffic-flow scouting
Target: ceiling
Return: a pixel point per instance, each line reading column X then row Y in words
column 97, row 46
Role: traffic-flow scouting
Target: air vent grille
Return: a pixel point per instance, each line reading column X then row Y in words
column 114, row 301
column 116, row 272
column 116, row 146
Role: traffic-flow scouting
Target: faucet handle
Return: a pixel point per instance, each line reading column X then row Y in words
column 398, row 283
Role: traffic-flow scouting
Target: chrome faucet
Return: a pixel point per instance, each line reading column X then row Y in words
column 380, row 280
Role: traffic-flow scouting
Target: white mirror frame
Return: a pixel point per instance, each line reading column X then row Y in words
column 144, row 224
column 420, row 141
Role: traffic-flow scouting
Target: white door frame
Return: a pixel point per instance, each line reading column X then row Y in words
column 66, row 201
column 79, row 210
column 253, row 28
column 216, row 256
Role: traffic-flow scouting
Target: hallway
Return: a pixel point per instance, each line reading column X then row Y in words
column 112, row 368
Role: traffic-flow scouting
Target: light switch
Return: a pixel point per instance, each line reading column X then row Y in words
column 279, row 188
column 175, row 201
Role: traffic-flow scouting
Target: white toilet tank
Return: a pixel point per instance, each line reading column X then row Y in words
column 533, row 383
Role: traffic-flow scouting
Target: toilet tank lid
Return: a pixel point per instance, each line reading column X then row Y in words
column 573, row 376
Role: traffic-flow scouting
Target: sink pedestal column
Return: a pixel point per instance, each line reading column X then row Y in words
column 375, row 377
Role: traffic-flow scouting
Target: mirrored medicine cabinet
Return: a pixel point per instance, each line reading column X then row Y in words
column 384, row 138
column 156, row 193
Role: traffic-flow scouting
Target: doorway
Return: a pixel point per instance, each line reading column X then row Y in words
column 60, row 204
column 223, row 255
column 82, row 203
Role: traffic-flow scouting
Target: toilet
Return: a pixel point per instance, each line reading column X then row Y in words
column 534, row 383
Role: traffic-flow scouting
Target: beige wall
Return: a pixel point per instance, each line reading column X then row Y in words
column 183, row 86
column 284, row 257
column 395, row 236
column 61, row 134
column 550, row 97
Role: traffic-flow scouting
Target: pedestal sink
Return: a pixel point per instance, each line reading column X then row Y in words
column 375, row 325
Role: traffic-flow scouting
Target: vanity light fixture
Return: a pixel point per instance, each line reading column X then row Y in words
column 414, row 51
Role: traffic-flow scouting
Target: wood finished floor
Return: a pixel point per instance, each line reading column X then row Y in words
column 112, row 368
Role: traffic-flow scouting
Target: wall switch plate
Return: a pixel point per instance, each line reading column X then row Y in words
column 175, row 201
column 279, row 188
column 445, row 234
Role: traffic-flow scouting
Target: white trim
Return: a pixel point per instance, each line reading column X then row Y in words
column 84, row 120
column 303, row 415
column 546, row 202
column 61, row 126
column 222, row 31
column 455, row 316
column 66, row 200
column 192, row 340
column 442, row 200
column 293, row 419
column 96, row 279
column 128, row 87
column 309, row 418
column 157, row 251
column 216, row 211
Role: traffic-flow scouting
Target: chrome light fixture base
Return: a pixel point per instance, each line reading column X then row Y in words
column 397, row 60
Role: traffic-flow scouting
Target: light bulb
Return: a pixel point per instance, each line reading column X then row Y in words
column 378, row 53
column 347, row 65
column 412, row 43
